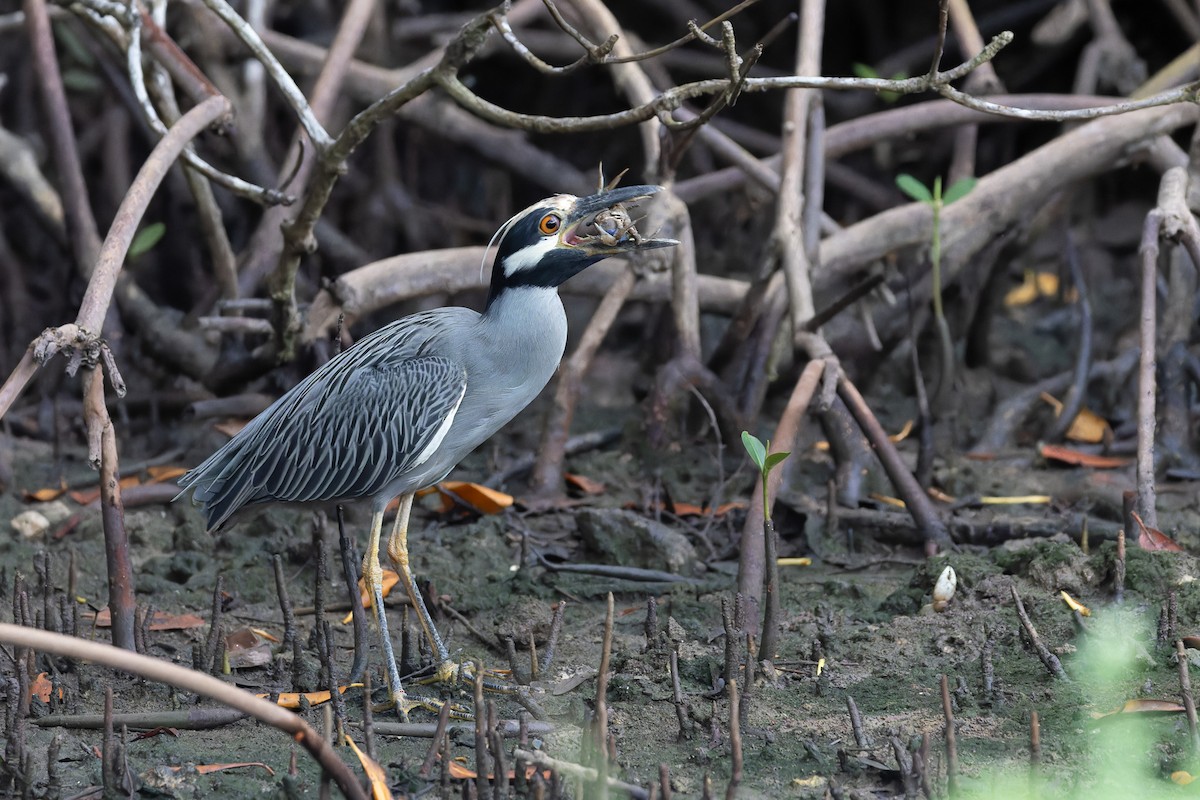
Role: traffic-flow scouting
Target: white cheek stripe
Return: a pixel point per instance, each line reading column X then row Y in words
column 529, row 257
column 441, row 432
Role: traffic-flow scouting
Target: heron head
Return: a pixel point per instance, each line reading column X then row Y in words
column 560, row 236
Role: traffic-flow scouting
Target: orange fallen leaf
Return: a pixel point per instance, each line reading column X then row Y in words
column 205, row 769
column 887, row 501
column 1152, row 538
column 1066, row 455
column 159, row 731
column 584, row 483
column 162, row 621
column 693, row 510
column 1143, row 706
column 85, row 496
column 1088, row 426
column 480, row 498
column 270, row 637
column 42, row 687
column 390, row 579
column 47, row 494
column 375, row 773
column 1182, row 777
column 164, row 473
column 1035, row 285
column 459, row 772
column 231, row 428
column 292, row 699
column 898, row 436
column 1075, row 605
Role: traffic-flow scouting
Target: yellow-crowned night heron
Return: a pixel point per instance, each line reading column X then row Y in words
column 398, row 410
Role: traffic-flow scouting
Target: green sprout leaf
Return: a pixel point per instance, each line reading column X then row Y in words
column 146, row 238
column 914, row 188
column 961, row 188
column 864, row 70
column 774, row 460
column 755, row 448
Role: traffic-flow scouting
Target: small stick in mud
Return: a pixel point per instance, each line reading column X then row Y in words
column 733, row 620
column 951, row 740
column 368, row 720
column 350, row 560
column 904, row 766
column 681, row 707
column 651, row 627
column 496, row 744
column 1048, row 659
column 1119, row 576
column 482, row 762
column 1185, row 686
column 556, row 624
column 435, row 744
column 735, row 742
column 1168, row 619
column 1035, row 741
column 602, row 693
column 285, row 604
column 921, row 764
column 664, row 781
column 208, row 660
column 856, row 725
column 988, row 669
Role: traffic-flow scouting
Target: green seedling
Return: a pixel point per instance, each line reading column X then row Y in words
column 937, row 201
column 145, row 239
column 867, row 71
column 767, row 461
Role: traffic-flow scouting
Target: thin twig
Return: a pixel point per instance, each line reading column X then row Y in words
column 1051, row 662
column 189, row 680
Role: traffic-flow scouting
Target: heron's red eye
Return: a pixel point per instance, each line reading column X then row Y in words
column 550, row 224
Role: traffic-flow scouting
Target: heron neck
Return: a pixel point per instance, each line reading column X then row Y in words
column 529, row 321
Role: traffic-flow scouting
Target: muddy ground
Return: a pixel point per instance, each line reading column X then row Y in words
column 862, row 606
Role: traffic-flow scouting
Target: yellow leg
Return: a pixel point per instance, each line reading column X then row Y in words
column 397, row 549
column 373, row 578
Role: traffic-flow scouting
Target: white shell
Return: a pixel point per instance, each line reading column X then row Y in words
column 943, row 590
column 30, row 524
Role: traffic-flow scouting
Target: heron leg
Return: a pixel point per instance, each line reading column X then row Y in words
column 397, row 548
column 373, row 578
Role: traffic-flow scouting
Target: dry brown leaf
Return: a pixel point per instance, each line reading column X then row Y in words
column 85, row 496
column 244, row 648
column 1088, row 426
column 162, row 621
column 584, row 483
column 1191, row 642
column 164, row 473
column 1152, row 538
column 231, row 427
column 161, row 730
column 41, row 687
column 1035, row 285
column 390, row 579
column 1075, row 605
column 480, row 498
column 205, row 769
column 1066, row 455
column 292, row 699
column 45, row 495
column 375, row 773
column 1143, row 705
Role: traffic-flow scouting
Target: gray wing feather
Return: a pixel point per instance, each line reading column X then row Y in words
column 344, row 432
